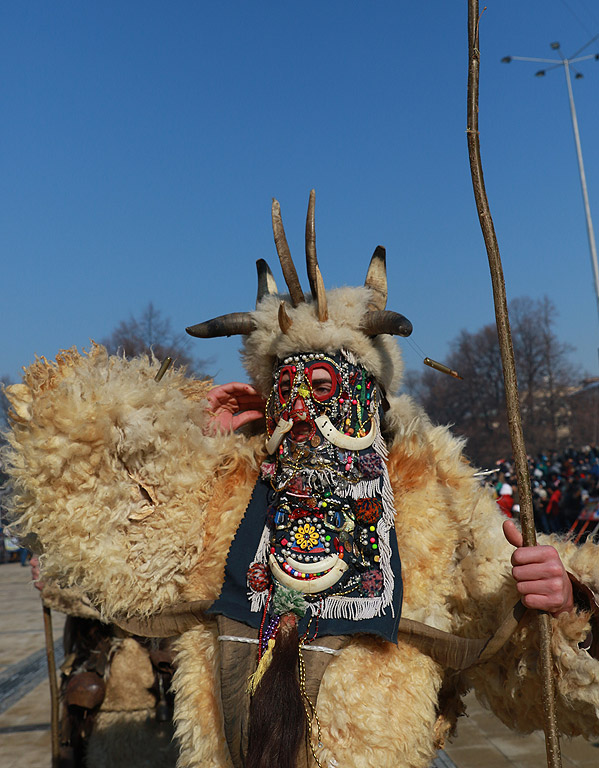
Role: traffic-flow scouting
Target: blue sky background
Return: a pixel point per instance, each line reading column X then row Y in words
column 142, row 142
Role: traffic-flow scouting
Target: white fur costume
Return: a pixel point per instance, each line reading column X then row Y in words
column 134, row 501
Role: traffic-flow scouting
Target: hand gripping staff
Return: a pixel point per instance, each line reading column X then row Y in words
column 509, row 372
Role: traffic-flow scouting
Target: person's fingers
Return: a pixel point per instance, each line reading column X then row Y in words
column 512, row 534
column 540, row 586
column 539, row 554
column 251, row 400
column 234, row 387
column 245, row 417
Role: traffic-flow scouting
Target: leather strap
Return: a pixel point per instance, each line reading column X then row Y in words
column 449, row 650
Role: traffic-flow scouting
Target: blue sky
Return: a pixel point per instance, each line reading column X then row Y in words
column 142, row 143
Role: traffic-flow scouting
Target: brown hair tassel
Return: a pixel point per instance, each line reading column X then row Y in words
column 277, row 715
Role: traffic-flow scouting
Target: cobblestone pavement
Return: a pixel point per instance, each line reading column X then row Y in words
column 482, row 741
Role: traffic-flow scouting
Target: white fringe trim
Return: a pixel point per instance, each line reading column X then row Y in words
column 258, row 599
column 356, row 608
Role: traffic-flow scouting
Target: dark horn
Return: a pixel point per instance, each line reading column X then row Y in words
column 225, row 325
column 266, row 281
column 376, row 279
column 287, row 265
column 385, row 321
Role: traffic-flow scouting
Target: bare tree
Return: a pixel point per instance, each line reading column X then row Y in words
column 150, row 333
column 476, row 405
column 545, row 376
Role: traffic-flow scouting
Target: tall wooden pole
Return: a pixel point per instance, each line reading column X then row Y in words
column 509, row 372
column 54, row 715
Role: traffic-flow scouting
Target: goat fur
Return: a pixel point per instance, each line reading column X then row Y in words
column 134, row 500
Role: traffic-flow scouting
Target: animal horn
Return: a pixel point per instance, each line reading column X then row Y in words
column 266, row 281
column 311, row 260
column 285, row 322
column 289, row 271
column 314, row 275
column 225, row 325
column 321, row 297
column 376, row 279
column 385, row 321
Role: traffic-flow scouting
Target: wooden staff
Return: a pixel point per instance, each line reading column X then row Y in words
column 53, row 684
column 509, row 374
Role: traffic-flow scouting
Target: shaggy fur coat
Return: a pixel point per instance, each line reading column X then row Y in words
column 136, row 501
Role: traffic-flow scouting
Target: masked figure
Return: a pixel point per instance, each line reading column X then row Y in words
column 274, row 551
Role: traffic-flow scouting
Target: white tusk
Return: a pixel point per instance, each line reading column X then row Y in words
column 321, row 565
column 274, row 440
column 311, row 586
column 341, row 440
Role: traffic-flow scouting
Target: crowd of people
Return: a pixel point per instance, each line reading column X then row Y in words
column 563, row 486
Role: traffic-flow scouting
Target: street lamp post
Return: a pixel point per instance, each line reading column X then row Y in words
column 566, row 64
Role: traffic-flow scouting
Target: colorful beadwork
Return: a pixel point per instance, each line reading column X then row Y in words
column 368, row 511
column 326, row 501
column 371, row 583
column 258, row 577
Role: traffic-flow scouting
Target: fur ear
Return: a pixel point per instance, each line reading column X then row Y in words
column 21, row 401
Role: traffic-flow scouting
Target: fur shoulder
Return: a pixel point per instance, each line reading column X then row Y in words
column 112, row 473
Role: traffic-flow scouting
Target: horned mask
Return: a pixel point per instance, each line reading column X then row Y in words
column 354, row 319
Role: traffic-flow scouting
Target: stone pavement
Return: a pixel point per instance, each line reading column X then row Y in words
column 482, row 741
column 24, row 691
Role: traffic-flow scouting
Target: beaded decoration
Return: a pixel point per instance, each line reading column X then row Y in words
column 331, row 504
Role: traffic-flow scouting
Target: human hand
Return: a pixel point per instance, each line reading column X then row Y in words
column 35, row 572
column 540, row 575
column 233, row 405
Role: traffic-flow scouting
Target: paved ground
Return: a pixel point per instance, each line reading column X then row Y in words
column 482, row 741
column 24, row 691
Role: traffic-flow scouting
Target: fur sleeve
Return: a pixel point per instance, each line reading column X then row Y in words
column 510, row 683
column 112, row 473
column 456, row 566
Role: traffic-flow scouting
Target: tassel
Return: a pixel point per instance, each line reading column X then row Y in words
column 277, row 717
column 263, row 665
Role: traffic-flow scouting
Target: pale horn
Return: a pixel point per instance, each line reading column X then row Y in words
column 287, row 265
column 266, row 281
column 314, row 276
column 285, row 322
column 376, row 279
